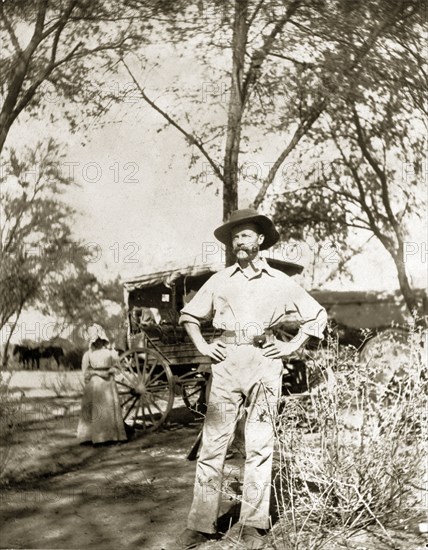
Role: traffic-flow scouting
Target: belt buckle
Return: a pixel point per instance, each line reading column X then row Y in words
column 243, row 338
column 259, row 340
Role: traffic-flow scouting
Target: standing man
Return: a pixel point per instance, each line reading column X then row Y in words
column 245, row 301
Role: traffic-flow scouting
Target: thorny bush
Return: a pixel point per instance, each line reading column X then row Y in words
column 351, row 452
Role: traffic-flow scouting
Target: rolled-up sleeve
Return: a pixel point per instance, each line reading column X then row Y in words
column 200, row 307
column 85, row 362
column 312, row 316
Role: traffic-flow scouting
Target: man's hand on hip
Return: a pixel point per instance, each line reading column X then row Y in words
column 278, row 349
column 216, row 350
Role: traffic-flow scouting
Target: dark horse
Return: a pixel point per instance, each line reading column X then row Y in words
column 51, row 351
column 28, row 357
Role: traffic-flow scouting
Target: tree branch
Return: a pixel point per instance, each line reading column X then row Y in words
column 356, row 226
column 349, row 196
column 379, row 214
column 189, row 137
column 259, row 56
column 341, row 264
column 310, row 31
column 255, row 12
column 301, row 130
column 362, row 142
column 10, row 30
column 21, row 67
column 40, row 22
column 29, row 94
column 62, row 21
column 304, row 64
column 318, row 108
column 362, row 194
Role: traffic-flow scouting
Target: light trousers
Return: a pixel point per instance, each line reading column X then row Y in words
column 244, row 380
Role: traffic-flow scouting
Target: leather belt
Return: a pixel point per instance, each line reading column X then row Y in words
column 242, row 338
column 98, row 368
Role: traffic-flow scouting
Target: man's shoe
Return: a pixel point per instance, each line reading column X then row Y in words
column 192, row 539
column 253, row 537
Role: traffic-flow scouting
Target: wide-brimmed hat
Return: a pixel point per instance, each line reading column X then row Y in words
column 248, row 215
column 95, row 332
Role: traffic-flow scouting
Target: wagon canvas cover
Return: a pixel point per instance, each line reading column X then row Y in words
column 172, row 272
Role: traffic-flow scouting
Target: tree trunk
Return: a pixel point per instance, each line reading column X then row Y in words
column 236, row 108
column 5, row 358
column 415, row 307
column 3, row 136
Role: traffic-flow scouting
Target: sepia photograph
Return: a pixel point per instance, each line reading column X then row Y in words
column 213, row 275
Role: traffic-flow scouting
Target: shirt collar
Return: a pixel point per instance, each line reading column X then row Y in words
column 264, row 266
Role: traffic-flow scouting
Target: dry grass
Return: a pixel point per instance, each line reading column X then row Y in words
column 352, row 456
column 10, row 408
column 64, row 383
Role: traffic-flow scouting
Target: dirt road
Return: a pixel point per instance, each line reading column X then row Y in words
column 134, row 495
column 131, row 495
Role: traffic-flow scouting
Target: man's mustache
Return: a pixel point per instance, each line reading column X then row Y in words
column 250, row 248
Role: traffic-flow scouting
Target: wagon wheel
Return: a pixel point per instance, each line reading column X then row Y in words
column 193, row 385
column 146, row 388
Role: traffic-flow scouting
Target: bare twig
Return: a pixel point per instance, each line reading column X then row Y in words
column 191, row 138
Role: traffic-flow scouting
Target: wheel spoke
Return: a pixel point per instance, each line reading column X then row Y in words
column 131, row 381
column 158, row 408
column 127, row 368
column 128, row 400
column 129, row 374
column 156, row 377
column 130, row 409
column 123, row 384
column 145, row 362
column 161, row 393
column 137, row 363
column 151, row 370
column 143, row 415
column 127, row 363
column 153, row 387
column 151, row 414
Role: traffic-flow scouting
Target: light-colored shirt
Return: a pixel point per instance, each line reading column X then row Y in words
column 237, row 302
column 100, row 359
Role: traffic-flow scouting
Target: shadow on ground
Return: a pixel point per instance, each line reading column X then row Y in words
column 130, row 495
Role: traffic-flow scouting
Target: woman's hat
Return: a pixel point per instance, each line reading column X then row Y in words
column 248, row 215
column 95, row 332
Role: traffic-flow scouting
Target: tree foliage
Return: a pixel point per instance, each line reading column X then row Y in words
column 50, row 49
column 332, row 75
column 270, row 68
column 41, row 263
column 372, row 141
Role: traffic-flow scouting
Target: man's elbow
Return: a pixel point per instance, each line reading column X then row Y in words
column 186, row 318
column 316, row 327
